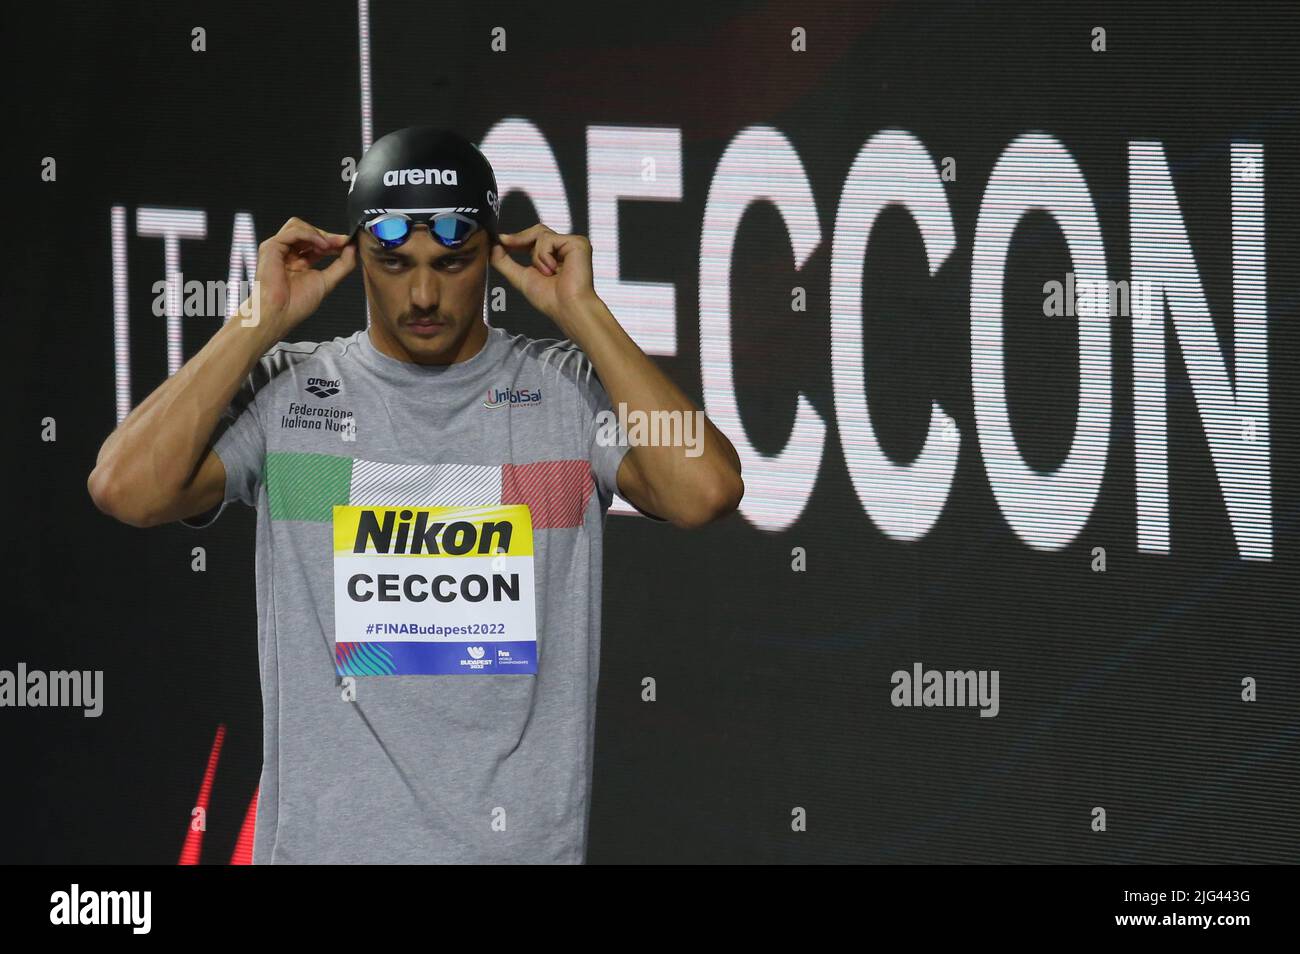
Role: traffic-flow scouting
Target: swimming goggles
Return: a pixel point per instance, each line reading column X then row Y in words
column 393, row 228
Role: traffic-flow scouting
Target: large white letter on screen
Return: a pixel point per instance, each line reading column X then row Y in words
column 631, row 162
column 1045, row 510
column 759, row 165
column 172, row 225
column 1234, row 414
column 903, row 500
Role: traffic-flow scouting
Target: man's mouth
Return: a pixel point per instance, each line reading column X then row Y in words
column 426, row 326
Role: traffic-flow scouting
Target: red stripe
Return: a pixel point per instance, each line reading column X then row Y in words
column 244, row 845
column 192, row 848
column 556, row 491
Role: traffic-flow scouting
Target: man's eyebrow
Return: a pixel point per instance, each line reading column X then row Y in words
column 397, row 253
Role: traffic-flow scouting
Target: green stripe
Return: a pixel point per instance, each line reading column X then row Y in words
column 307, row 486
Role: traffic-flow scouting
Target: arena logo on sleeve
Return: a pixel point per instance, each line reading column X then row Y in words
column 434, row 591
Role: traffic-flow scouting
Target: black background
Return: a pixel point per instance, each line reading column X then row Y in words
column 1118, row 689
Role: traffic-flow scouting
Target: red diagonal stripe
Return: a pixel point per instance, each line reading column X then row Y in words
column 244, row 845
column 193, row 846
column 556, row 491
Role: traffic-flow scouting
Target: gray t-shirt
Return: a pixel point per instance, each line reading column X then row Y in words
column 471, row 767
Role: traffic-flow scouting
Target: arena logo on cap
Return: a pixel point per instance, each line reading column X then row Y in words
column 396, row 177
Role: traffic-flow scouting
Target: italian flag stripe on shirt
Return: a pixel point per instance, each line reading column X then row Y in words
column 306, row 487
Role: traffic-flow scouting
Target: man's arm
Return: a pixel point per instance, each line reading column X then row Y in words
column 157, row 465
column 688, row 491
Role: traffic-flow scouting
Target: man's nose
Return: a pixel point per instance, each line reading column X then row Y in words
column 424, row 290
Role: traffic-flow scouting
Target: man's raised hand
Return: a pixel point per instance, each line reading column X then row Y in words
column 289, row 285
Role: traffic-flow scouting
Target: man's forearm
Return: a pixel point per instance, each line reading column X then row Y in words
column 633, row 380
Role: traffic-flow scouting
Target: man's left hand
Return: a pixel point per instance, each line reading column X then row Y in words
column 559, row 278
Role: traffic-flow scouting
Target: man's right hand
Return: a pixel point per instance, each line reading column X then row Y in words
column 157, row 466
column 289, row 285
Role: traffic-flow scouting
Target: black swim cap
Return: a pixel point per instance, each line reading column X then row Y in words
column 423, row 169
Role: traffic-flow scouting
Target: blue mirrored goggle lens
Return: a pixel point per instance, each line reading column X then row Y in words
column 452, row 231
column 391, row 230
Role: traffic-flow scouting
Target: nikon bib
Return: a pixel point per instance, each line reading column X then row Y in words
column 434, row 591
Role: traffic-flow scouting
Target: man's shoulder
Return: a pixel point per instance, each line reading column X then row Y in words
column 297, row 352
column 555, row 356
column 306, row 355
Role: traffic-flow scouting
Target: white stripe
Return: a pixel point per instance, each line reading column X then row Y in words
column 379, row 484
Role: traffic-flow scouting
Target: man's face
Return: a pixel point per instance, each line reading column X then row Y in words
column 426, row 299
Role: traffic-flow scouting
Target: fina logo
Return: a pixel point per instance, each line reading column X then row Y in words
column 501, row 397
column 400, row 177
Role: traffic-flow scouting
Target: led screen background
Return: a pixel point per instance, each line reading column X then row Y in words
column 1119, row 689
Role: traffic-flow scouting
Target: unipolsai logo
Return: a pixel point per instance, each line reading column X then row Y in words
column 502, row 397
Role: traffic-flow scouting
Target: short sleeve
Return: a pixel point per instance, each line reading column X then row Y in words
column 607, row 440
column 241, row 445
column 239, row 438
